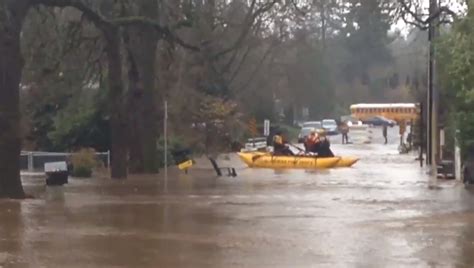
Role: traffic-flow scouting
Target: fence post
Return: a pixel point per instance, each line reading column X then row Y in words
column 457, row 158
column 108, row 159
column 30, row 162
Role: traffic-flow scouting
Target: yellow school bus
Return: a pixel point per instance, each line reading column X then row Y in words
column 395, row 111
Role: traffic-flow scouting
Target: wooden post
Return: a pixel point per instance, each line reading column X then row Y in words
column 30, row 162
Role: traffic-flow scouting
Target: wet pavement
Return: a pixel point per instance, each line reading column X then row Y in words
column 383, row 212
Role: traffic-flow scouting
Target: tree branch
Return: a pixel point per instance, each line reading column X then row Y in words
column 90, row 14
column 105, row 25
column 249, row 20
column 166, row 31
column 418, row 20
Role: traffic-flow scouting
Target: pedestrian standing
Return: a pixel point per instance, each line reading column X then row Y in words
column 344, row 129
column 384, row 132
column 402, row 130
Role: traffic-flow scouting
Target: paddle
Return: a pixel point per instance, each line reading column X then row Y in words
column 255, row 157
column 299, row 149
column 304, row 151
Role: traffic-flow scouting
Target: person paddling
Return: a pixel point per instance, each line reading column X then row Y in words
column 280, row 147
column 311, row 143
column 324, row 149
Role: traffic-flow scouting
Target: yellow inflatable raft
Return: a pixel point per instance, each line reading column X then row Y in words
column 267, row 160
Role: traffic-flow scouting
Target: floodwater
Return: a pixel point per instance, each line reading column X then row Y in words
column 383, row 212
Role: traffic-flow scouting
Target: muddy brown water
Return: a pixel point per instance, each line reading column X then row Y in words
column 384, row 212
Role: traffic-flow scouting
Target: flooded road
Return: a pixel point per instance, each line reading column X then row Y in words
column 383, row 212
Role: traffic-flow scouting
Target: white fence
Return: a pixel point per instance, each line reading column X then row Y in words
column 255, row 144
column 34, row 161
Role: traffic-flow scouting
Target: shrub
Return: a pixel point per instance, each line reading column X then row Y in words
column 82, row 172
column 83, row 161
column 174, row 144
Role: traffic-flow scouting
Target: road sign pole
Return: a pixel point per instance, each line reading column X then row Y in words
column 165, row 137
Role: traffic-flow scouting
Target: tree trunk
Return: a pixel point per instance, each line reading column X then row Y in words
column 135, row 112
column 147, row 70
column 323, row 24
column 12, row 14
column 119, row 144
column 143, row 43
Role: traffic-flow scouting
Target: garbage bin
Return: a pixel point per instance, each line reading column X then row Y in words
column 57, row 173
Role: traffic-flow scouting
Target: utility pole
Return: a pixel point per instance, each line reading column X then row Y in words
column 432, row 93
column 165, row 134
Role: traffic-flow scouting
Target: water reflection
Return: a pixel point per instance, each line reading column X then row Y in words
column 466, row 243
column 11, row 230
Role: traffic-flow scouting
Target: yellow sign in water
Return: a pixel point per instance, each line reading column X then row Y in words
column 186, row 165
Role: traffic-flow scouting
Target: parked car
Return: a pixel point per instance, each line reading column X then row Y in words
column 304, row 132
column 350, row 120
column 330, row 126
column 379, row 121
column 314, row 124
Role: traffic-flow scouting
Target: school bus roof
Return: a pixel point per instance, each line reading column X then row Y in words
column 383, row 105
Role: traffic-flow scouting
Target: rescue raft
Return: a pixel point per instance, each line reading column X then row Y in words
column 267, row 160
